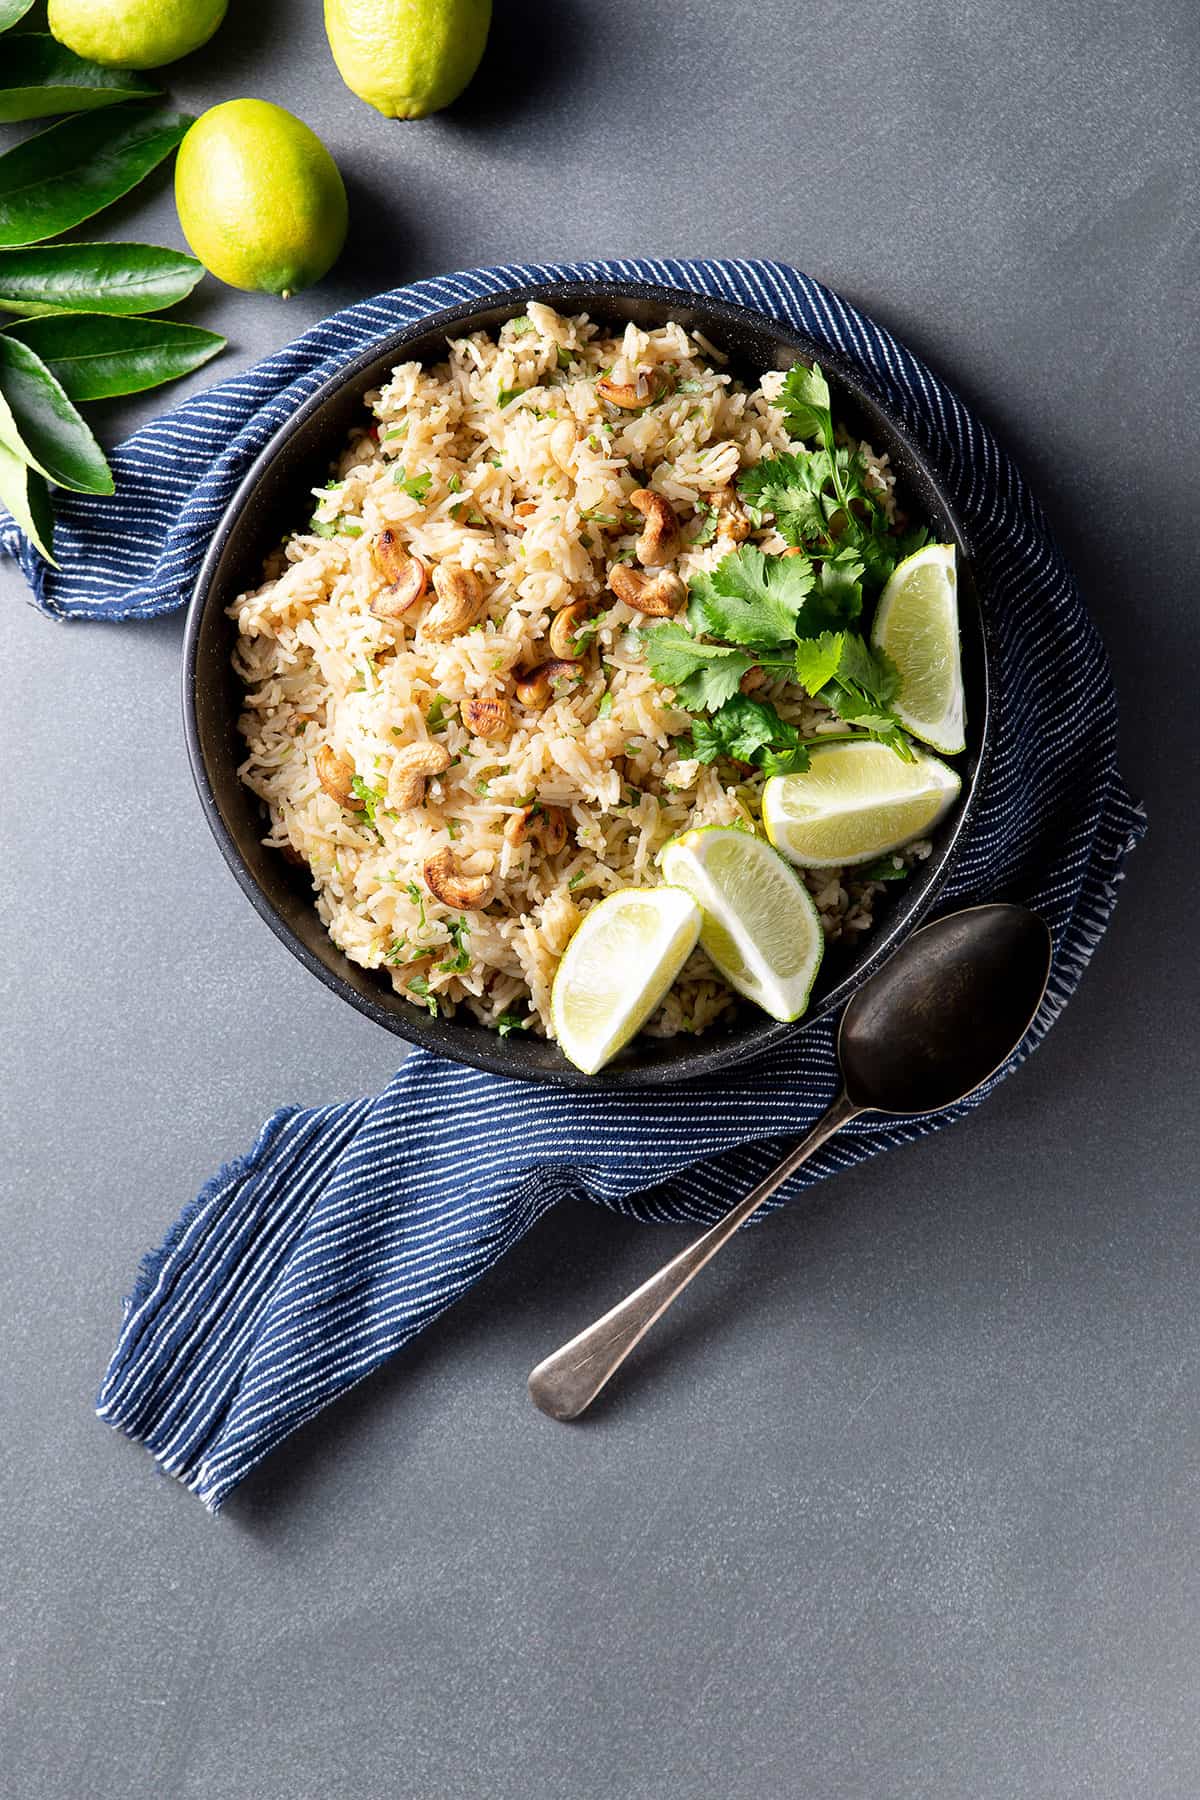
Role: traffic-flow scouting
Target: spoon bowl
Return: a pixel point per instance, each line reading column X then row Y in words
column 946, row 1011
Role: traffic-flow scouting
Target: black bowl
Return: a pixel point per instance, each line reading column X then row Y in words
column 271, row 501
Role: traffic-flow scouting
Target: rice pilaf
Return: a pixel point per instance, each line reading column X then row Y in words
column 464, row 765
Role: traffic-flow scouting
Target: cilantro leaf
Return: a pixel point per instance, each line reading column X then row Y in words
column 703, row 675
column 372, row 798
column 839, row 585
column 888, row 868
column 508, row 1022
column 415, row 486
column 750, row 598
column 856, row 682
column 791, row 488
column 750, row 731
column 818, row 659
column 806, row 405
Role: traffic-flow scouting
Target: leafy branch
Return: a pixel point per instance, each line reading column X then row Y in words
column 75, row 330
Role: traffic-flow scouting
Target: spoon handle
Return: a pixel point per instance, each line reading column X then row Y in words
column 568, row 1381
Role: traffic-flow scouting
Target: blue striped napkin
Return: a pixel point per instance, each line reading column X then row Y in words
column 348, row 1228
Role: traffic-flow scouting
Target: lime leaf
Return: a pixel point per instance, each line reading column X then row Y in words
column 10, row 12
column 41, row 76
column 57, row 178
column 107, row 278
column 23, row 491
column 94, row 357
column 39, row 424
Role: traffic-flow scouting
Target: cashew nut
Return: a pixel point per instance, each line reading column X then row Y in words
column 549, row 823
column 446, row 881
column 490, row 718
column 404, row 574
column 336, row 775
column 460, row 600
column 733, row 524
column 630, row 396
column 411, row 768
column 535, row 687
column 657, row 542
column 564, row 629
column 658, row 595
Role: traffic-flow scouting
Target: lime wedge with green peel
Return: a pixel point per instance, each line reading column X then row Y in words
column 855, row 802
column 617, row 968
column 760, row 926
column 916, row 623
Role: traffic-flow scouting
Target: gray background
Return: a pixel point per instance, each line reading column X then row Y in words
column 905, row 1501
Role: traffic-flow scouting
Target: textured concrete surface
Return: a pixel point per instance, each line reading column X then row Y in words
column 904, row 1504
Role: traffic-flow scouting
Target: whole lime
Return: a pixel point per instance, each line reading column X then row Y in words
column 134, row 34
column 407, row 58
column 259, row 198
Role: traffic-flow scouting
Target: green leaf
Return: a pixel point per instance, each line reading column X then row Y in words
column 888, row 868
column 58, row 178
column 817, row 660
column 39, row 424
column 40, row 76
column 806, row 404
column 838, row 595
column 703, row 675
column 415, row 486
column 23, row 491
column 10, row 12
column 94, row 356
column 107, row 278
column 791, row 487
column 750, row 731
column 750, row 598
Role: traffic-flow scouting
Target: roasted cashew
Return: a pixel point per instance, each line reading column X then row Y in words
column 630, row 396
column 535, row 687
column 658, row 595
column 657, row 542
column 490, row 718
column 548, row 823
column 460, row 600
column 733, row 524
column 411, row 768
column 564, row 629
column 446, row 882
column 404, row 574
column 336, row 775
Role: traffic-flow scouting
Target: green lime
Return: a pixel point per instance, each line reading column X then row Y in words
column 407, row 58
column 134, row 34
column 617, row 968
column 916, row 623
column 855, row 802
column 259, row 198
column 761, row 927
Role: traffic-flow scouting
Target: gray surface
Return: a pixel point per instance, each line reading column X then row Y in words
column 905, row 1503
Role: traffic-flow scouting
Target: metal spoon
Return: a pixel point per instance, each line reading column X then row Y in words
column 941, row 1016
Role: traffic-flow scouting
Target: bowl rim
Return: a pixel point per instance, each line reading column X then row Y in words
column 482, row 1048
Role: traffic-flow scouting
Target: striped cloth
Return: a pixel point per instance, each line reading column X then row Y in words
column 348, row 1228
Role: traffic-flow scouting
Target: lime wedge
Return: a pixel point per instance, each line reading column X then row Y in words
column 760, row 924
column 617, row 968
column 916, row 623
column 855, row 802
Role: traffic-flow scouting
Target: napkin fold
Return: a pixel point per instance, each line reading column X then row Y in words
column 348, row 1228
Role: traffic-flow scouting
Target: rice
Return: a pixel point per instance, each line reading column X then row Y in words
column 504, row 462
